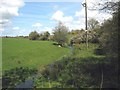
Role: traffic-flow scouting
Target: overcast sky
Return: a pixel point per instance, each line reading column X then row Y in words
column 18, row 17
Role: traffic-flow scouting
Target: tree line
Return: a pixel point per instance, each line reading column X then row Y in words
column 63, row 36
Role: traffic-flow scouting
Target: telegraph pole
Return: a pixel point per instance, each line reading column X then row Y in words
column 85, row 5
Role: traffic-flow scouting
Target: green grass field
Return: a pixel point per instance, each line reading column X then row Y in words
column 81, row 51
column 17, row 52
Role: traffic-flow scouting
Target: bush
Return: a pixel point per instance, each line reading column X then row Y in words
column 44, row 36
column 99, row 51
column 52, row 70
column 33, row 36
column 12, row 77
column 83, row 72
column 61, row 34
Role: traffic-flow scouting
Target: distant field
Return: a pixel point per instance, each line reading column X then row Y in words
column 18, row 52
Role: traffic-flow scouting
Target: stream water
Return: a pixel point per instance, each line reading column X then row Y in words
column 72, row 49
column 26, row 84
column 30, row 82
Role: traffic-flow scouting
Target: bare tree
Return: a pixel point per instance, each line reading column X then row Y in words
column 92, row 24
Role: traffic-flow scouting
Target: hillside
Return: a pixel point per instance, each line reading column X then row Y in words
column 18, row 52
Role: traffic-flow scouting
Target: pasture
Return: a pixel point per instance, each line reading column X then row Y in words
column 19, row 52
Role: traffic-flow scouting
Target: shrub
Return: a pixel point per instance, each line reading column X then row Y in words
column 61, row 34
column 99, row 51
column 12, row 77
column 83, row 72
column 33, row 35
column 44, row 36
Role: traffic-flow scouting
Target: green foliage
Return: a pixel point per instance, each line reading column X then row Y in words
column 76, row 32
column 47, row 34
column 87, row 73
column 109, row 36
column 61, row 34
column 83, row 69
column 44, row 36
column 80, row 37
column 81, row 73
column 51, row 71
column 99, row 51
column 43, row 82
column 15, row 76
column 79, row 50
column 94, row 35
column 33, row 35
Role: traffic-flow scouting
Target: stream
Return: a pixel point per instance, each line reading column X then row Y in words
column 26, row 84
column 29, row 83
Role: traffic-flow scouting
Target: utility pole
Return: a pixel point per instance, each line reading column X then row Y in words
column 85, row 5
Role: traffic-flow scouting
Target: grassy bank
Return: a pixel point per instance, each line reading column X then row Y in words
column 18, row 52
